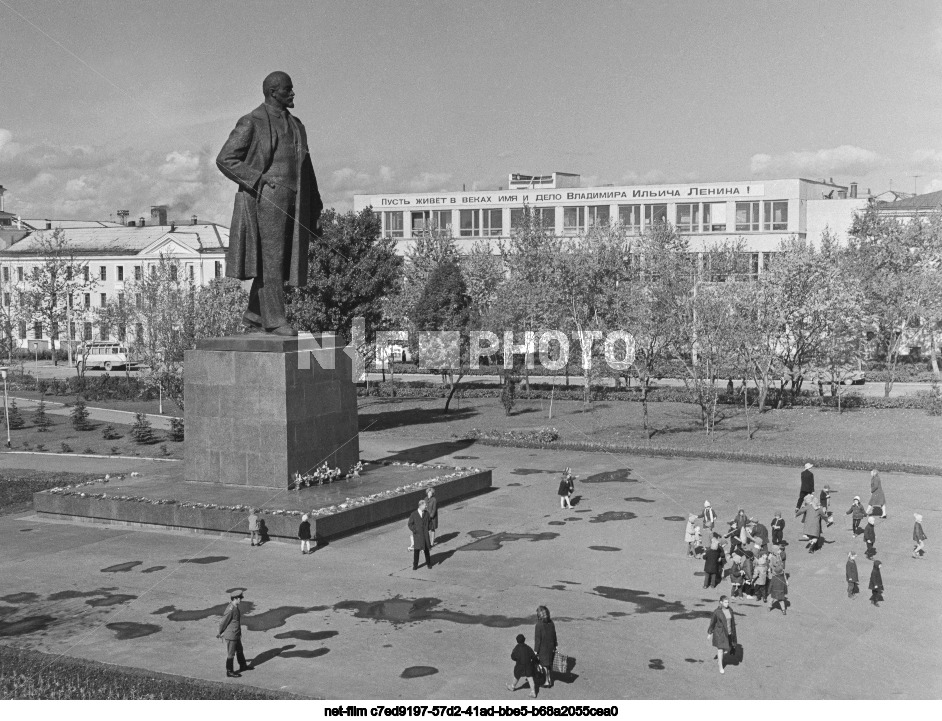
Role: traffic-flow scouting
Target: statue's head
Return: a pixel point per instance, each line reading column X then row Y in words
column 278, row 89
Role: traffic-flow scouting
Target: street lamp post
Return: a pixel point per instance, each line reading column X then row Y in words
column 6, row 409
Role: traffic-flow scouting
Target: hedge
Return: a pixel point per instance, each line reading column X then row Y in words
column 715, row 455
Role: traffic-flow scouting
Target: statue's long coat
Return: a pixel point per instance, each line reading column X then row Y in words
column 246, row 155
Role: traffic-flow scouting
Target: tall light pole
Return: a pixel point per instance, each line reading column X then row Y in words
column 6, row 409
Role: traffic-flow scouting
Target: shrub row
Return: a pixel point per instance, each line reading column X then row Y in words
column 924, row 400
column 714, row 455
column 538, row 436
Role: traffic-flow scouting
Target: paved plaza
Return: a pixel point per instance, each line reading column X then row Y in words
column 353, row 621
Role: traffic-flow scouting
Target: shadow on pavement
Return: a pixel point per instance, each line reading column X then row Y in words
column 381, row 416
column 271, row 653
column 428, row 452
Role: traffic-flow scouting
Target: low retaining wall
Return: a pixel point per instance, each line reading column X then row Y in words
column 214, row 520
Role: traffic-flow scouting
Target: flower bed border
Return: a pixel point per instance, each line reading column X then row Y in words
column 351, row 516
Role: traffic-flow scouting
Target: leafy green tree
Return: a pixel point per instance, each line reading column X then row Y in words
column 898, row 265
column 352, row 270
column 48, row 294
column 445, row 306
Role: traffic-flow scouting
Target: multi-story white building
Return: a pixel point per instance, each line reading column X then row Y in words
column 115, row 255
column 760, row 212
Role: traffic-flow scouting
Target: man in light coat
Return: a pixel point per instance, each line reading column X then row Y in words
column 230, row 629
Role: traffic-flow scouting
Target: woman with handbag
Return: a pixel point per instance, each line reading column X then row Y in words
column 544, row 642
column 722, row 630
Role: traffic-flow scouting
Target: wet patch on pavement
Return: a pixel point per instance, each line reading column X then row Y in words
column 528, row 471
column 23, row 626
column 674, row 518
column 303, row 635
column 494, row 541
column 620, row 475
column 205, row 560
column 514, row 484
column 122, row 567
column 617, row 614
column 400, row 610
column 111, row 599
column 584, row 510
column 656, row 664
column 479, row 534
column 693, row 660
column 466, row 458
column 637, row 499
column 571, row 583
column 418, row 672
column 613, row 516
column 604, row 548
column 24, row 597
column 180, row 615
column 8, row 610
column 643, row 601
column 307, row 653
column 124, row 630
column 25, row 530
column 275, row 617
column 556, row 523
column 573, row 518
column 153, row 569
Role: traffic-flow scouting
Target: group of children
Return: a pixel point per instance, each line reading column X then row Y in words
column 757, row 562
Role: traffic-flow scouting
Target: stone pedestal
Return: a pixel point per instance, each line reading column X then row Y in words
column 260, row 407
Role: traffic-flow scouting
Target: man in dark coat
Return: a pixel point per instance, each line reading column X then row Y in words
column 807, row 485
column 230, row 629
column 276, row 208
column 418, row 524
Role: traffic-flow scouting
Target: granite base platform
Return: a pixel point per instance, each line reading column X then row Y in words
column 381, row 494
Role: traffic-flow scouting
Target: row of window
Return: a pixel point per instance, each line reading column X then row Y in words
column 688, row 218
column 86, row 298
column 103, row 272
column 104, row 331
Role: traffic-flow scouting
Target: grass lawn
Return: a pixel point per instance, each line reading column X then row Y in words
column 60, row 432
column 909, row 436
column 28, row 675
column 17, row 487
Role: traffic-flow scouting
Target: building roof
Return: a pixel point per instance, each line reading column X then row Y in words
column 42, row 223
column 926, row 201
column 126, row 240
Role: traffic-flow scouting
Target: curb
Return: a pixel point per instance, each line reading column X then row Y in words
column 784, row 460
column 91, row 455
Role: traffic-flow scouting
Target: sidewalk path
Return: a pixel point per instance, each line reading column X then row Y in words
column 107, row 415
column 354, row 621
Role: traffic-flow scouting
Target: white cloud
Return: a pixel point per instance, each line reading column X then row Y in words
column 429, row 181
column 842, row 160
column 927, row 159
column 632, row 177
column 184, row 167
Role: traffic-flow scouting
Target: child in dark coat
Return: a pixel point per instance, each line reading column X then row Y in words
column 859, row 513
column 566, row 489
column 825, row 501
column 524, row 665
column 778, row 529
column 853, row 582
column 870, row 536
column 876, row 584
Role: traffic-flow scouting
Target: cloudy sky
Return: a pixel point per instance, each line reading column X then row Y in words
column 108, row 104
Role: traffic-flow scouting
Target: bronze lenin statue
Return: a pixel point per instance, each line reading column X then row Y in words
column 277, row 207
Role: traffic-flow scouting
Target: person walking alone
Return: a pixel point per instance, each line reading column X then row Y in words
column 566, row 489
column 919, row 537
column 877, row 496
column 870, row 537
column 230, row 630
column 418, row 525
column 722, row 631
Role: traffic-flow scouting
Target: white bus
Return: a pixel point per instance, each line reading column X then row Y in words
column 104, row 354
